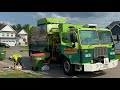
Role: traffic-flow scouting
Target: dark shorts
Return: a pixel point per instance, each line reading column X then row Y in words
column 18, row 61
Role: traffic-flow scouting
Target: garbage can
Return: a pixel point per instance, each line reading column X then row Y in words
column 38, row 60
column 2, row 55
column 2, row 52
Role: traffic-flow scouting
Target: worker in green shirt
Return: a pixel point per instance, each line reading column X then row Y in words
column 17, row 59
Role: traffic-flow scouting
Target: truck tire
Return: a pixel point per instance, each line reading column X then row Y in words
column 68, row 68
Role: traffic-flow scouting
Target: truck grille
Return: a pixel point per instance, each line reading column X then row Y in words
column 100, row 51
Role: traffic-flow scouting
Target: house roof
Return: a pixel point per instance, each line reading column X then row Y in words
column 8, row 28
column 113, row 24
column 22, row 32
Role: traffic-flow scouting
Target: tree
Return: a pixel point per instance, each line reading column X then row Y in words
column 25, row 27
column 19, row 27
column 14, row 27
column 2, row 25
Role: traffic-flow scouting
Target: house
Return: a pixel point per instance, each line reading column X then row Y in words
column 22, row 38
column 8, row 35
column 114, row 27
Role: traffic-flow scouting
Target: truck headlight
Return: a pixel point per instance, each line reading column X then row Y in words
column 112, row 53
column 87, row 55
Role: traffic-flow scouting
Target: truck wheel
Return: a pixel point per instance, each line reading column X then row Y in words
column 68, row 68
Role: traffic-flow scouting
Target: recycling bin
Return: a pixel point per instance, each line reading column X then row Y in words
column 38, row 60
column 2, row 52
column 2, row 55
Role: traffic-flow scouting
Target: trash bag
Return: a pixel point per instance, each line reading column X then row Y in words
column 45, row 67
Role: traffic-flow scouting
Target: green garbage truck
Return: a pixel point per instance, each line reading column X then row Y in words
column 77, row 47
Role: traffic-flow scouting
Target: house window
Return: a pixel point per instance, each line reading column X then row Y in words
column 9, row 41
column 13, row 41
column 3, row 34
column 3, row 41
column 6, row 41
column 7, row 34
column 11, row 34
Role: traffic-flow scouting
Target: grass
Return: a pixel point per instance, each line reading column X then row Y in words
column 7, row 49
column 26, row 47
column 17, row 74
column 117, row 56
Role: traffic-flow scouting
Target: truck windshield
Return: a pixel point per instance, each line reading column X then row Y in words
column 89, row 37
column 105, row 37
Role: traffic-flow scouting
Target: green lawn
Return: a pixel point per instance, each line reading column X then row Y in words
column 7, row 49
column 118, row 56
column 26, row 47
column 17, row 74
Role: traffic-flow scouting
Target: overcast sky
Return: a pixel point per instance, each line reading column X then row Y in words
column 103, row 19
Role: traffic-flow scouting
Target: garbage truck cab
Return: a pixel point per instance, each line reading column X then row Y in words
column 86, row 48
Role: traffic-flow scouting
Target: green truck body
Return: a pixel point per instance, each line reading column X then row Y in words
column 80, row 47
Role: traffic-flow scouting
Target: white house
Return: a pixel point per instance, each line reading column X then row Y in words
column 22, row 38
column 8, row 35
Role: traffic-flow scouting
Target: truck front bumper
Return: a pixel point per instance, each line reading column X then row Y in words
column 100, row 66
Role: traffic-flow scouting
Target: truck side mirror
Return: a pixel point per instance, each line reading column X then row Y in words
column 113, row 45
column 73, row 44
column 118, row 38
column 73, row 39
